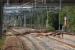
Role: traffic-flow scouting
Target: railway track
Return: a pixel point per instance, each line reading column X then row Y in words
column 19, row 40
column 48, row 40
column 30, row 42
column 60, row 40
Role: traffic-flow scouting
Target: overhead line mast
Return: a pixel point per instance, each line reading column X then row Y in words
column 60, row 3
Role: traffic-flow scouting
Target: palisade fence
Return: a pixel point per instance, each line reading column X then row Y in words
column 30, row 16
column 39, row 16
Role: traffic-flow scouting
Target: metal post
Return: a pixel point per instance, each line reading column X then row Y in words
column 24, row 21
column 1, row 14
column 7, row 2
column 47, row 14
column 59, row 12
column 35, row 4
column 32, row 17
column 35, row 12
column 47, row 20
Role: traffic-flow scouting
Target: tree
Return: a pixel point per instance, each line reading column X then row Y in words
column 69, row 11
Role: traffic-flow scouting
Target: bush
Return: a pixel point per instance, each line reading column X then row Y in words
column 50, row 28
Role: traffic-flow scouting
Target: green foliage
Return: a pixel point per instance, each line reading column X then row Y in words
column 50, row 22
column 53, row 20
column 68, row 11
column 2, row 41
column 50, row 28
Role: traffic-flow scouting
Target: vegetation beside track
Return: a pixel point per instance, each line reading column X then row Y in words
column 2, row 41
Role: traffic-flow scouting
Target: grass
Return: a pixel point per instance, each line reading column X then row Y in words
column 1, row 41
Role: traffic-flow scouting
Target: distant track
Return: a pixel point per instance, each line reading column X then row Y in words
column 63, row 42
column 39, row 44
